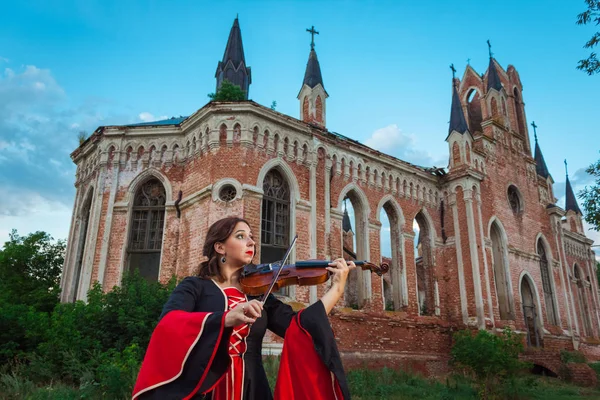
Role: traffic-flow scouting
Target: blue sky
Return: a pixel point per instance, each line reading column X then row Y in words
column 67, row 66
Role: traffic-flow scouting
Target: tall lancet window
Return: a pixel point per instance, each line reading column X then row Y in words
column 547, row 285
column 583, row 304
column 275, row 217
column 84, row 218
column 146, row 232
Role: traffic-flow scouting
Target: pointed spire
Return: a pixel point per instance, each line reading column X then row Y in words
column 571, row 201
column 312, row 76
column 540, row 164
column 233, row 67
column 346, row 225
column 493, row 79
column 458, row 122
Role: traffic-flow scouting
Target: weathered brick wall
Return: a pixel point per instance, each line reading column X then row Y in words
column 478, row 194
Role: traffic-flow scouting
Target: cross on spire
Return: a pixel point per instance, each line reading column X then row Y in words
column 312, row 36
column 490, row 48
column 534, row 130
column 566, row 168
column 453, row 70
column 468, row 61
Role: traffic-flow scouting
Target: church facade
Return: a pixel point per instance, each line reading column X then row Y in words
column 495, row 250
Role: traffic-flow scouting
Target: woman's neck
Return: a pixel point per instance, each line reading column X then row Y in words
column 231, row 275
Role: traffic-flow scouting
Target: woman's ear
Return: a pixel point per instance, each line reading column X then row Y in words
column 220, row 248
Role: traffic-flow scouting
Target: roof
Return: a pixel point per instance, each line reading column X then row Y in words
column 312, row 76
column 493, row 79
column 234, row 50
column 163, row 122
column 571, row 202
column 458, row 122
column 346, row 225
column 540, row 164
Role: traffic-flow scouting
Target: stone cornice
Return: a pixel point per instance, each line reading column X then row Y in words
column 578, row 237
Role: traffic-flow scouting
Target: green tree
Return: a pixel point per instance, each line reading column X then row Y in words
column 228, row 92
column 30, row 268
column 490, row 359
column 590, row 65
column 591, row 197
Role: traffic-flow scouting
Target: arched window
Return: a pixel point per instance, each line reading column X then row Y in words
column 146, row 232
column 455, row 154
column 275, row 217
column 494, row 106
column 305, row 111
column 84, row 221
column 547, row 285
column 500, row 272
column 474, row 111
column 468, row 153
column 583, row 305
column 514, row 199
column 319, row 109
column 519, row 112
column 530, row 314
column 423, row 264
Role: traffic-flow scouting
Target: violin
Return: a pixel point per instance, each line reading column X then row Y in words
column 262, row 278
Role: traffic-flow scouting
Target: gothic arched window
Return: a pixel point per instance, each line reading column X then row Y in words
column 547, row 285
column 275, row 217
column 146, row 232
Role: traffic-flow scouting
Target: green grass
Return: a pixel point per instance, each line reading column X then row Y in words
column 365, row 384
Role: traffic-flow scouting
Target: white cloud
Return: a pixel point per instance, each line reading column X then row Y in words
column 28, row 212
column 148, row 117
column 392, row 141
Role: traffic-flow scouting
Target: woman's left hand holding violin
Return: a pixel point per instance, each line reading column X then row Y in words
column 339, row 269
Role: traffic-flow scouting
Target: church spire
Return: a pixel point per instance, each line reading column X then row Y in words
column 346, row 224
column 493, row 78
column 233, row 67
column 458, row 122
column 312, row 76
column 571, row 201
column 540, row 163
column 312, row 94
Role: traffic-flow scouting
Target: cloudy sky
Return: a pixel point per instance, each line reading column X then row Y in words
column 70, row 66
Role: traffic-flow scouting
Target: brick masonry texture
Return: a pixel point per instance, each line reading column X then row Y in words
column 455, row 266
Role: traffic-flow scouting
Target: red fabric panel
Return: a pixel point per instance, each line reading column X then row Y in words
column 166, row 356
column 302, row 373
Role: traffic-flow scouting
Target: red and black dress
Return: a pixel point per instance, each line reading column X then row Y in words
column 192, row 355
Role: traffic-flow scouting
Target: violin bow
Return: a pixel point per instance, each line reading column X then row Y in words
column 287, row 254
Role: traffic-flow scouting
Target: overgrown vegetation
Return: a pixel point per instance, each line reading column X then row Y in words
column 491, row 360
column 96, row 346
column 228, row 92
column 93, row 350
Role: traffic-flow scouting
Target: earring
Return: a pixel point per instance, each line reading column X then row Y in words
column 223, row 259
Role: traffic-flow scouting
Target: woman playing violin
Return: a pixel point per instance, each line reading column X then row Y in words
column 209, row 339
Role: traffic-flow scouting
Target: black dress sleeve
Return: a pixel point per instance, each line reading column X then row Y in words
column 187, row 353
column 279, row 315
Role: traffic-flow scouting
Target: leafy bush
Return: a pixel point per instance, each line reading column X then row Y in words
column 228, row 92
column 490, row 359
column 572, row 357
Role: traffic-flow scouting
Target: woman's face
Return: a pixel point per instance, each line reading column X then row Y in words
column 239, row 246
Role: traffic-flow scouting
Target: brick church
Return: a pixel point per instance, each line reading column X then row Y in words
column 494, row 248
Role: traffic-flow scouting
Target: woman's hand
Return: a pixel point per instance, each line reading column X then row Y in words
column 339, row 274
column 339, row 269
column 244, row 313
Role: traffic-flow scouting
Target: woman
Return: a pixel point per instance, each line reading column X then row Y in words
column 209, row 339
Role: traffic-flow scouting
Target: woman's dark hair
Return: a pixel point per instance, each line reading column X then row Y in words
column 217, row 233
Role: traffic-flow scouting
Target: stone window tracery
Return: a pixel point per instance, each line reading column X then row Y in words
column 146, row 232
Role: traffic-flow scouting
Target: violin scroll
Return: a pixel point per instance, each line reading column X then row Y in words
column 378, row 269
